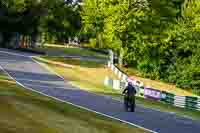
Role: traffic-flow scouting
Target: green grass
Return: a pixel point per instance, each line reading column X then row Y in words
column 85, row 74
column 76, row 62
column 22, row 111
column 159, row 85
column 91, row 79
column 49, row 48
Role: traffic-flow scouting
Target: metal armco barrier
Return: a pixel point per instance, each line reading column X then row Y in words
column 188, row 102
column 167, row 98
column 191, row 102
column 116, row 84
column 108, row 82
column 179, row 101
column 198, row 105
column 123, row 85
column 119, row 73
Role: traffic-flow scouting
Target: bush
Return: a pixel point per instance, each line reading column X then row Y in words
column 93, row 42
column 185, row 84
column 195, row 84
column 149, row 70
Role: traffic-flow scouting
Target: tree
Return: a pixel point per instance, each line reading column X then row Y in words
column 30, row 18
column 93, row 20
column 159, row 38
column 62, row 21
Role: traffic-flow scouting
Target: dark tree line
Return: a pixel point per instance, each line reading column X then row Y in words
column 58, row 19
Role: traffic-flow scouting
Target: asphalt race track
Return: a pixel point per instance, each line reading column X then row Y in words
column 33, row 76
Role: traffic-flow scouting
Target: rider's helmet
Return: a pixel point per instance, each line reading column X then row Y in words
column 130, row 83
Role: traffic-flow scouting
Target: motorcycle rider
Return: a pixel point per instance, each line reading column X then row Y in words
column 129, row 97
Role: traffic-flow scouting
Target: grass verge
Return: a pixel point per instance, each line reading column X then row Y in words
column 91, row 79
column 23, row 111
column 84, row 74
column 159, row 85
column 64, row 50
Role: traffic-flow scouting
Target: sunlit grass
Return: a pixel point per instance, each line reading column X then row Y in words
column 56, row 45
column 22, row 111
column 49, row 48
column 85, row 74
column 159, row 85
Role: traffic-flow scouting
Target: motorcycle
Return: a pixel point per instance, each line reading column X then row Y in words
column 129, row 103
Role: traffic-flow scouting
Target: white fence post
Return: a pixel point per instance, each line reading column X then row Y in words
column 106, row 81
column 124, row 77
column 179, row 101
column 116, row 84
column 120, row 74
column 109, row 64
column 111, row 54
column 198, row 105
column 112, row 67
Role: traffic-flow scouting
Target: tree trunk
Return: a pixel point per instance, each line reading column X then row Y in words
column 22, row 41
column 121, row 56
column 1, row 38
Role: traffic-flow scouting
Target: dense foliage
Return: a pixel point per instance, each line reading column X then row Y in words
column 58, row 19
column 160, row 38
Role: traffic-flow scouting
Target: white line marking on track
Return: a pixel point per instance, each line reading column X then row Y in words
column 81, row 107
column 44, row 86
